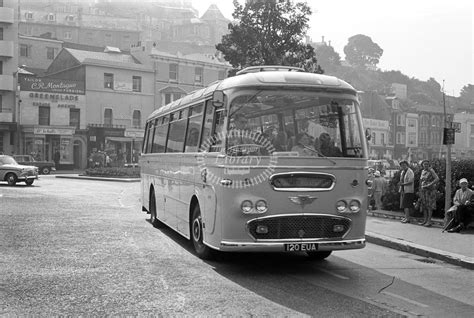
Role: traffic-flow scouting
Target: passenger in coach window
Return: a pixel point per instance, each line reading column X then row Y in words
column 303, row 145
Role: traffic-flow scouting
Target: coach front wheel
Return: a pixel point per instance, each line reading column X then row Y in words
column 202, row 251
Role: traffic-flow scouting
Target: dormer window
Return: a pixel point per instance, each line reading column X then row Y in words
column 29, row 15
column 70, row 18
column 51, row 17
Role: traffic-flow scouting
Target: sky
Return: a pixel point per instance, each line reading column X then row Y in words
column 420, row 38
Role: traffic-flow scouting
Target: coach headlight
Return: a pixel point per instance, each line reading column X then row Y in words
column 246, row 206
column 341, row 206
column 354, row 206
column 261, row 206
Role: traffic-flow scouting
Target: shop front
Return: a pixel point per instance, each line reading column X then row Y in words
column 48, row 143
column 121, row 146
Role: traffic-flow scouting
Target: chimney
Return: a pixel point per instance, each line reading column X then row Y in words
column 322, row 39
column 329, row 43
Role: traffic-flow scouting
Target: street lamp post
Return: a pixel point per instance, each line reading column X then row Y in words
column 447, row 196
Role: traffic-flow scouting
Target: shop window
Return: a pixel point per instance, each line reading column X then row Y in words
column 108, row 117
column 75, row 117
column 137, row 83
column 108, row 80
column 137, row 119
column 43, row 115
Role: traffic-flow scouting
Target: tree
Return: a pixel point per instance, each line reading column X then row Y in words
column 467, row 94
column 269, row 32
column 327, row 57
column 362, row 51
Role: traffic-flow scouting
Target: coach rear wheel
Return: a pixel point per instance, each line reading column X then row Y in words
column 202, row 251
column 317, row 256
column 153, row 219
column 45, row 170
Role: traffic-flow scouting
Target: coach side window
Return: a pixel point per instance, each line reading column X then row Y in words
column 148, row 140
column 176, row 133
column 194, row 128
column 161, row 132
column 206, row 140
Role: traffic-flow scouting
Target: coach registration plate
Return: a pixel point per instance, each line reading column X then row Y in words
column 301, row 247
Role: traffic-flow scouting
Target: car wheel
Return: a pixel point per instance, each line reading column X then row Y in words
column 11, row 179
column 153, row 219
column 202, row 251
column 318, row 256
column 45, row 170
column 29, row 181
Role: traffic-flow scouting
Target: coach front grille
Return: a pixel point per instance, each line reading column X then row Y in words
column 299, row 227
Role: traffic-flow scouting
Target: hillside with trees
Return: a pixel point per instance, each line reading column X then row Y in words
column 272, row 32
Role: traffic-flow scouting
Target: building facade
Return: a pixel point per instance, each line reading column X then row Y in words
column 8, row 74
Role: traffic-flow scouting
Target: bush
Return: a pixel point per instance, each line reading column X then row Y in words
column 459, row 169
column 124, row 172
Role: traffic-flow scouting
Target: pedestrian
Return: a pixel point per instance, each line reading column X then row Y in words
column 407, row 190
column 378, row 189
column 56, row 158
column 464, row 201
column 427, row 192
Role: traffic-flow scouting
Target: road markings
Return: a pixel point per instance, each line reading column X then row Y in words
column 405, row 299
column 332, row 274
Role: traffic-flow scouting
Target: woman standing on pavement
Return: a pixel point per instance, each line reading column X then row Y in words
column 428, row 181
column 407, row 190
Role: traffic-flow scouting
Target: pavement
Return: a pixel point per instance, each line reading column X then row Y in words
column 384, row 228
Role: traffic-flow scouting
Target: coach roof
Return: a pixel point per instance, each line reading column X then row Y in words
column 264, row 79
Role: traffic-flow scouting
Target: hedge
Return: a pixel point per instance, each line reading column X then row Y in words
column 115, row 172
column 459, row 169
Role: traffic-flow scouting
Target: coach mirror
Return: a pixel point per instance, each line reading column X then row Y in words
column 218, row 99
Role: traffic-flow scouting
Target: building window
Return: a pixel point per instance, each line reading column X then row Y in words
column 1, row 34
column 400, row 120
column 173, row 72
column 24, row 50
column 108, row 39
column 108, row 80
column 411, row 123
column 67, row 35
column 221, row 75
column 108, row 117
column 198, row 75
column 43, row 115
column 50, row 53
column 51, row 17
column 70, row 18
column 75, row 117
column 1, row 103
column 170, row 97
column 29, row 15
column 1, row 67
column 137, row 83
column 137, row 119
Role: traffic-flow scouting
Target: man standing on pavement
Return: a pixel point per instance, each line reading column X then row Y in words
column 407, row 190
column 378, row 189
column 463, row 199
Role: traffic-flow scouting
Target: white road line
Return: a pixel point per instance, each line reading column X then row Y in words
column 120, row 199
column 405, row 299
column 332, row 274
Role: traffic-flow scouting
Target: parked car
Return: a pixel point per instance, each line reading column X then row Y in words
column 12, row 172
column 45, row 167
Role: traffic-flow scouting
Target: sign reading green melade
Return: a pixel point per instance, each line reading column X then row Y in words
column 51, row 85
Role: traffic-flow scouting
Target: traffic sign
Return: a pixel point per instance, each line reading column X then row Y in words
column 456, row 126
column 448, row 136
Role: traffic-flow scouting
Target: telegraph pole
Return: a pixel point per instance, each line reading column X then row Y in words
column 447, row 142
